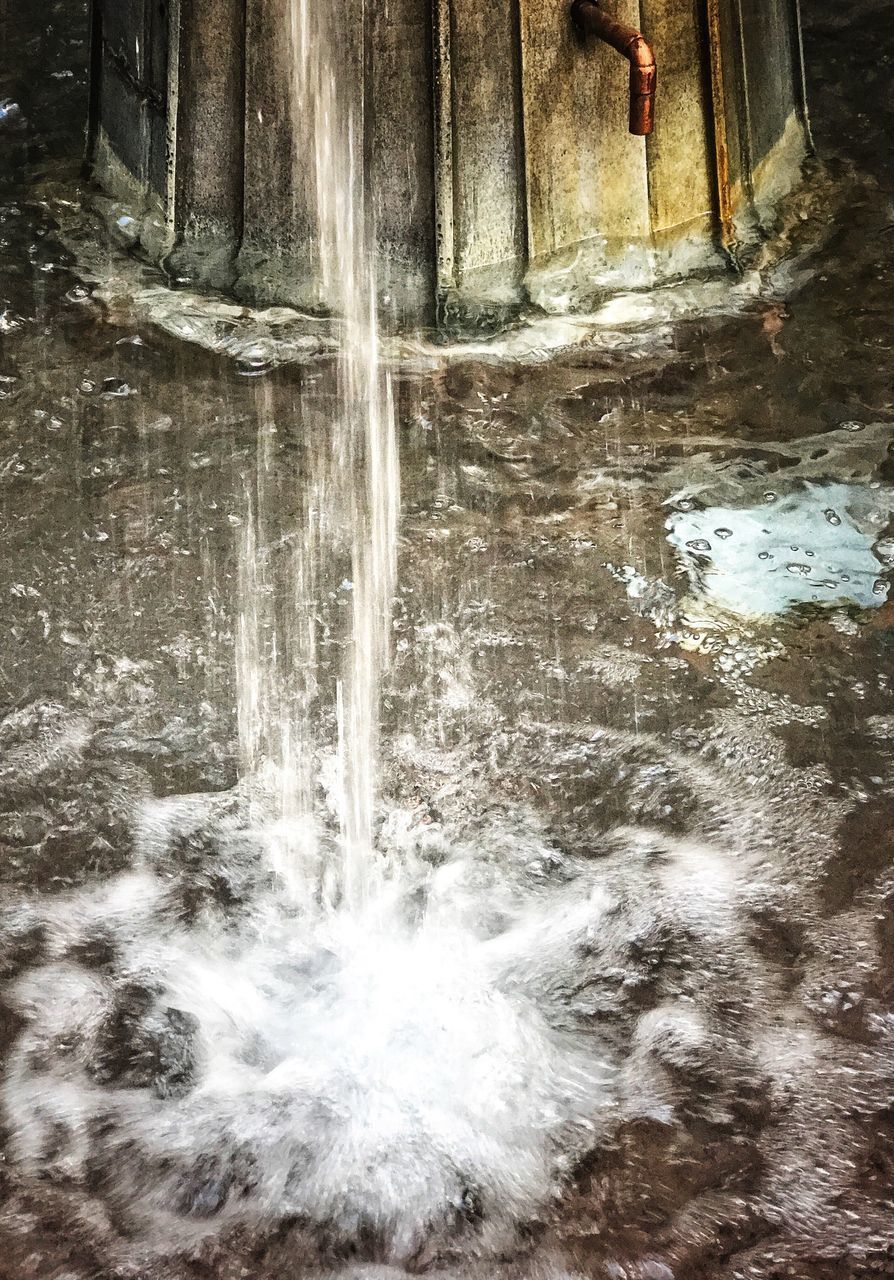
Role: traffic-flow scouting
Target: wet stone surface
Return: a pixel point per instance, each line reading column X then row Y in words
column 624, row 1006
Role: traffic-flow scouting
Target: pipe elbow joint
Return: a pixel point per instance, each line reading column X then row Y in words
column 590, row 19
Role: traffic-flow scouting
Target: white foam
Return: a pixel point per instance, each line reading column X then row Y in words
column 429, row 1067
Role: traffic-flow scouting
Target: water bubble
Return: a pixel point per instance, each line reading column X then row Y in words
column 770, row 496
column 851, row 426
column 79, row 293
column 723, row 533
column 699, row 544
column 832, row 516
column 800, row 570
column 685, row 504
column 884, row 550
column 764, row 555
column 117, row 387
column 879, row 587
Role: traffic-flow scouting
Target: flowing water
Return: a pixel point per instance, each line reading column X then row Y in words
column 488, row 875
column 349, row 497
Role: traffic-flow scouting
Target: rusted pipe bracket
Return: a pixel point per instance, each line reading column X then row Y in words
column 632, row 45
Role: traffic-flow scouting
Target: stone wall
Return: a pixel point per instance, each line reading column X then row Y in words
column 499, row 166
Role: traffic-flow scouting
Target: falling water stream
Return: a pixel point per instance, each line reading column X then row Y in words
column 351, row 495
column 445, row 809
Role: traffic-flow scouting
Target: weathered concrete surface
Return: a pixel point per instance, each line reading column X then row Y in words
column 772, row 76
column 122, row 101
column 479, row 96
column 586, row 175
column 760, row 127
column 385, row 61
column 132, row 152
column 605, row 208
column 768, row 67
column 275, row 260
column 400, row 115
column 495, row 147
column 680, row 164
column 208, row 173
column 161, row 33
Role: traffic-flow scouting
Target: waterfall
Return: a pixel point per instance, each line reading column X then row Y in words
column 353, row 495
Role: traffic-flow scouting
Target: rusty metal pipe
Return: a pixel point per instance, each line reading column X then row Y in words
column 631, row 44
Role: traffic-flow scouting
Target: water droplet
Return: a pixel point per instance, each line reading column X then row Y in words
column 699, row 544
column 832, row 516
column 685, row 504
column 724, row 533
column 879, row 587
column 851, row 426
column 763, row 555
column 770, row 496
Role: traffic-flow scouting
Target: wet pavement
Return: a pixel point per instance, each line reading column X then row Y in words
column 637, row 781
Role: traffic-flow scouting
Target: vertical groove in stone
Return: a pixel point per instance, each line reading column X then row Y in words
column 445, row 228
column 275, row 256
column 208, row 108
column 800, row 72
column 521, row 140
column 401, row 156
column 489, row 238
